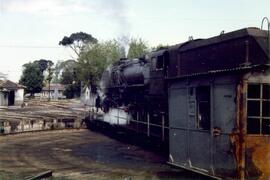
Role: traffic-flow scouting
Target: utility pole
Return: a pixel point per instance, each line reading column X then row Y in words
column 49, row 78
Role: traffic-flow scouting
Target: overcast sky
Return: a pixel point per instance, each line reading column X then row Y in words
column 31, row 29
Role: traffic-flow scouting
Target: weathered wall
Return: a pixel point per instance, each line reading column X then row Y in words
column 3, row 99
column 258, row 157
column 227, row 149
column 25, row 125
column 19, row 97
column 209, row 151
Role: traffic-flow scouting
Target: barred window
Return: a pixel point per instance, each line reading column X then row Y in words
column 258, row 109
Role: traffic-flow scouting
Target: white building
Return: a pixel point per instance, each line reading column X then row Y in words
column 11, row 93
column 55, row 91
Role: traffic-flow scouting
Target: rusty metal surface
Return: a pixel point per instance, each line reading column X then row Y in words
column 237, row 135
column 258, row 157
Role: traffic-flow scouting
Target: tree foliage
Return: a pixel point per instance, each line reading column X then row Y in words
column 78, row 41
column 46, row 68
column 93, row 58
column 32, row 78
column 50, row 73
column 160, row 47
column 92, row 62
column 35, row 74
column 69, row 78
column 60, row 67
column 137, row 48
column 69, row 74
column 44, row 64
column 72, row 90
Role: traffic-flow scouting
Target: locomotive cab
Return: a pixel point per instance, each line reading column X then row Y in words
column 158, row 72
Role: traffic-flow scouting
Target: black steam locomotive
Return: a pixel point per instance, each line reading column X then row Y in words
column 138, row 88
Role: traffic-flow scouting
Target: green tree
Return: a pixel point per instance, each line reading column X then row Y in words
column 57, row 72
column 137, row 48
column 72, row 90
column 93, row 62
column 46, row 68
column 60, row 67
column 78, row 41
column 93, row 59
column 32, row 78
column 69, row 78
column 159, row 47
column 44, row 64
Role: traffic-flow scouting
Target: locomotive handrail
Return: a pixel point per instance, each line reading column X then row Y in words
column 141, row 122
column 147, row 123
column 268, row 23
column 268, row 32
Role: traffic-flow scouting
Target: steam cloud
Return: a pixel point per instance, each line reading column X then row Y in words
column 116, row 10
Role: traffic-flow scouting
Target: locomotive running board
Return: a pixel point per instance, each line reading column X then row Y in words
column 194, row 170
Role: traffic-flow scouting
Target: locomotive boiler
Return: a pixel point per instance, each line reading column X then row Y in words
column 124, row 82
column 137, row 86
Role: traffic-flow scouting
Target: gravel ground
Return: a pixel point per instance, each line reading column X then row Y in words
column 81, row 154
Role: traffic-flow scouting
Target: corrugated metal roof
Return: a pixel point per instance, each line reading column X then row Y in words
column 262, row 66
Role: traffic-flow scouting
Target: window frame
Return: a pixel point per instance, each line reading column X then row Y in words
column 159, row 63
column 261, row 100
column 200, row 89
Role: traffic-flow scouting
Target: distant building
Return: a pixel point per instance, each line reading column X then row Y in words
column 56, row 91
column 11, row 93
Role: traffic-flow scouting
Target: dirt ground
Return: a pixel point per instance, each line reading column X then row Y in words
column 43, row 109
column 81, row 154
